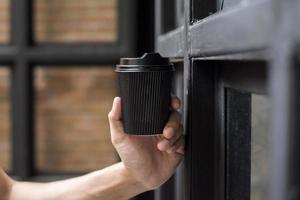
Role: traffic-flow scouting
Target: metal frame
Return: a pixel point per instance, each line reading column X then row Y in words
column 249, row 47
column 22, row 53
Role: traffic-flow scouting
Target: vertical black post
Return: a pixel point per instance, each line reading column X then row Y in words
column 200, row 133
column 127, row 27
column 145, row 26
column 294, row 147
column 285, row 140
column 285, row 96
column 22, row 100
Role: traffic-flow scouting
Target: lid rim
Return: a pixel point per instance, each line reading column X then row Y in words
column 146, row 59
column 144, row 71
column 149, row 66
column 171, row 69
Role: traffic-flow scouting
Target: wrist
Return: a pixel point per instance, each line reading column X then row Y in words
column 131, row 179
column 6, row 185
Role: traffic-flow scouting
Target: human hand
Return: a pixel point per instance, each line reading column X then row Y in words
column 149, row 160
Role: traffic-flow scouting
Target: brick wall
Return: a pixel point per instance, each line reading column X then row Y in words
column 4, row 21
column 76, row 20
column 5, row 147
column 72, row 126
column 72, row 133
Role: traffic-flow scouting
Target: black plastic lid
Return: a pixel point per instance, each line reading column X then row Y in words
column 147, row 63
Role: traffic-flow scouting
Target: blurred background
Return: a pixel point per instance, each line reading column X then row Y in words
column 71, row 104
column 70, row 101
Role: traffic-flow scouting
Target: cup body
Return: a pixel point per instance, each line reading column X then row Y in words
column 145, row 95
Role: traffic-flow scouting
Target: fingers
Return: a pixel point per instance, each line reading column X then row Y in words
column 173, row 140
column 172, row 125
column 175, row 103
column 177, row 146
column 168, row 143
column 115, row 123
column 172, row 136
column 181, row 149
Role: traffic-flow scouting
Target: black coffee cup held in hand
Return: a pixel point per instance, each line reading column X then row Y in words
column 145, row 90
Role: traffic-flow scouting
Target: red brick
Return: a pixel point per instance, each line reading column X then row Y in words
column 72, row 104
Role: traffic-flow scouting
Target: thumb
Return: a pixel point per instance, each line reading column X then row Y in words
column 115, row 114
column 115, row 122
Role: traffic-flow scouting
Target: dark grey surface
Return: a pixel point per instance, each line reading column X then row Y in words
column 202, row 9
column 200, row 138
column 172, row 43
column 248, row 76
column 243, row 31
column 243, row 28
column 284, row 89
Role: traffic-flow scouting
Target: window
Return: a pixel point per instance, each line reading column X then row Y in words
column 241, row 98
column 58, row 49
column 76, row 21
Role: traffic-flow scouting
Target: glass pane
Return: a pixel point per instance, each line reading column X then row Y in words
column 202, row 9
column 5, row 148
column 4, row 21
column 76, row 20
column 71, row 114
column 259, row 157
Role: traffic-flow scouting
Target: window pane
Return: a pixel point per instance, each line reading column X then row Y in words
column 259, row 157
column 4, row 21
column 71, row 114
column 5, row 149
column 203, row 8
column 76, row 20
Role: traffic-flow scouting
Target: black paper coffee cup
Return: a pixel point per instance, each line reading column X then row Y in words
column 145, row 90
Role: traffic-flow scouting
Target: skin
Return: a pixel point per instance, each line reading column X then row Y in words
column 146, row 163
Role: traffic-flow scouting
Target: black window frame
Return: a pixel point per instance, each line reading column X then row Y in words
column 22, row 54
column 259, row 31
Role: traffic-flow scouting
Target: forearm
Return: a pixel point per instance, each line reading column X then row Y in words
column 112, row 183
column 5, row 185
